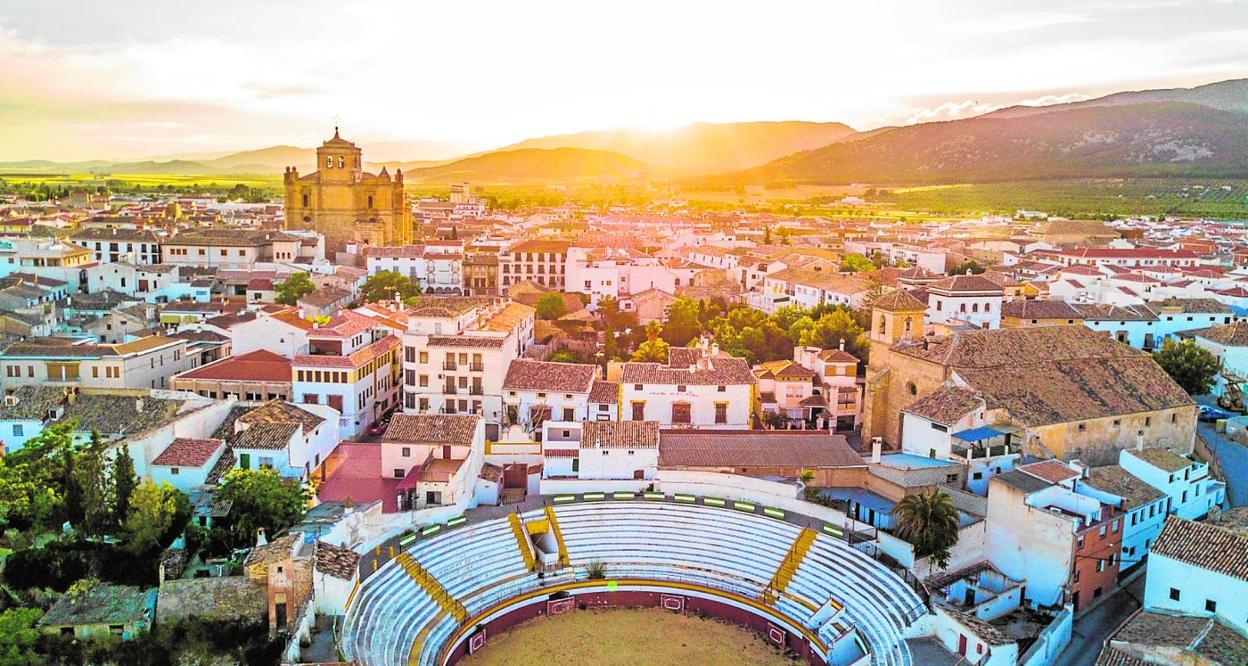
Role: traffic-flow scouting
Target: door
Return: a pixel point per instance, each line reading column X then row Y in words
column 244, row 461
column 446, row 453
column 962, row 645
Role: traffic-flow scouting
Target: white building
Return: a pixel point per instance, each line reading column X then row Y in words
column 437, row 267
column 698, row 387
column 1186, row 482
column 1199, row 569
column 537, row 391
column 352, row 366
column 970, row 298
column 456, row 352
column 146, row 363
column 1144, row 510
column 604, row 450
column 437, row 456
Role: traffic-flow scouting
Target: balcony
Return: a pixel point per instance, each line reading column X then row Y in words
column 476, row 366
column 982, row 443
column 476, row 390
column 449, row 365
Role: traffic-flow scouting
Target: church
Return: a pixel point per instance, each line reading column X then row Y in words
column 344, row 203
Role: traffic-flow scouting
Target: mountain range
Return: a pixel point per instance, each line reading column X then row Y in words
column 1200, row 131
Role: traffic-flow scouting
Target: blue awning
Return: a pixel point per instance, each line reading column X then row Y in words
column 978, row 434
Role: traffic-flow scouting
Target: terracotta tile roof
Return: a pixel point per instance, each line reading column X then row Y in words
column 1204, row 545
column 1163, row 459
column 898, row 300
column 620, row 435
column 1191, row 306
column 270, row 436
column 1024, row 309
column 690, row 367
column 837, row 356
column 471, row 341
column 541, row 246
column 991, row 634
column 280, row 411
column 1021, row 481
column 104, row 603
column 1107, row 312
column 257, row 366
column 1114, row 479
column 273, row 551
column 510, row 317
column 755, row 448
column 491, row 472
column 1112, row 656
column 603, row 392
column 186, row 452
column 1231, row 335
column 946, row 405
column 1053, row 471
column 965, row 284
column 527, row 375
column 337, row 561
column 1053, row 374
column 783, row 370
column 456, row 429
column 1195, row 639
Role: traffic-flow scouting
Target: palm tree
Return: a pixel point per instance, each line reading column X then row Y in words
column 930, row 522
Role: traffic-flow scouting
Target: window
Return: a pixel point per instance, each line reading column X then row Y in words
column 1211, row 606
column 721, row 413
column 18, row 430
column 407, row 452
column 911, row 388
column 681, row 413
column 398, row 472
column 1083, row 427
column 1174, row 594
column 173, row 471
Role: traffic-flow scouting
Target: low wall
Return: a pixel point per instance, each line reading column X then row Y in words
column 578, row 486
column 1051, row 641
column 967, row 551
column 647, row 594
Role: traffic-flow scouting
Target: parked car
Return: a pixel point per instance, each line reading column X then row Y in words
column 1211, row 413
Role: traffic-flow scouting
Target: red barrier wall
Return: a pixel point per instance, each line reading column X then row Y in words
column 629, row 598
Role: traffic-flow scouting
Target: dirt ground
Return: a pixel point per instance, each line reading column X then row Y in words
column 626, row 636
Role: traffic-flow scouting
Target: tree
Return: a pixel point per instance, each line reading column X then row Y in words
column 831, row 329
column 153, row 510
column 1191, row 366
column 654, row 349
column 809, row 492
column 551, row 306
column 969, row 266
column 766, row 235
column 262, row 500
column 930, row 522
column 384, row 285
column 18, row 636
column 683, row 321
column 856, row 263
column 124, row 481
column 93, row 488
column 293, row 288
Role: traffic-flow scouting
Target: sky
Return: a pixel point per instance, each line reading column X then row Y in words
column 124, row 79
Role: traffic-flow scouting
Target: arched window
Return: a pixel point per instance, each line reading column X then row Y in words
column 987, row 307
column 370, row 201
column 975, row 307
column 342, row 162
column 305, row 200
column 907, row 326
column 329, row 161
column 883, row 324
column 911, row 388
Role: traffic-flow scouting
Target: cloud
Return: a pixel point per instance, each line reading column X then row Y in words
column 970, row 108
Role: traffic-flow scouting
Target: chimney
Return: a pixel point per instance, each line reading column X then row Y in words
column 261, row 540
column 715, row 349
column 842, row 344
column 1139, row 440
column 877, row 444
column 138, row 405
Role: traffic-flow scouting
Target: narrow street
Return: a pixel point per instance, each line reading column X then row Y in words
column 1091, row 630
column 1232, row 456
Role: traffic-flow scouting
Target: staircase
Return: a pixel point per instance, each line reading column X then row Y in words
column 522, row 540
column 788, row 566
column 432, row 587
column 554, row 528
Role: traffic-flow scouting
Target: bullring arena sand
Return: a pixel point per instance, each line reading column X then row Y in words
column 626, row 637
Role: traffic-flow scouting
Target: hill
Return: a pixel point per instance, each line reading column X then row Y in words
column 274, row 158
column 703, row 147
column 1230, row 95
column 1157, row 139
column 533, row 165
